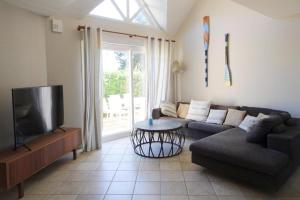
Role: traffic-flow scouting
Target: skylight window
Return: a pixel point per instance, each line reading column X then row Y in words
column 133, row 11
column 107, row 9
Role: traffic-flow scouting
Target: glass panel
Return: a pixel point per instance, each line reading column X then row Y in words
column 133, row 7
column 141, row 19
column 107, row 9
column 116, row 102
column 139, row 86
column 122, row 4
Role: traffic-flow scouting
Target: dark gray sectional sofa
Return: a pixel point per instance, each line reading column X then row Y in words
column 225, row 149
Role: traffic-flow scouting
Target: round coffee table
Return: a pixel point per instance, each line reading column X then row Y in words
column 162, row 139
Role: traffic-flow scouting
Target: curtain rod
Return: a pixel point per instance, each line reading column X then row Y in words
column 79, row 28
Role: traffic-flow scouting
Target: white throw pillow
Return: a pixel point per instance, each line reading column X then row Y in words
column 262, row 116
column 198, row 110
column 248, row 123
column 168, row 109
column 216, row 116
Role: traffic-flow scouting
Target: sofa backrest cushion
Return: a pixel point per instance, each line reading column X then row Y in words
column 182, row 110
column 198, row 110
column 258, row 134
column 223, row 107
column 234, row 117
column 168, row 109
column 254, row 111
column 216, row 116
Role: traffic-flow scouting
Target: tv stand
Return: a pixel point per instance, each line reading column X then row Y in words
column 60, row 128
column 18, row 165
column 26, row 147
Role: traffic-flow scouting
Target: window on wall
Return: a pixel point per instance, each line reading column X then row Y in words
column 132, row 11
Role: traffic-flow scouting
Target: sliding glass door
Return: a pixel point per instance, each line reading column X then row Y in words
column 124, row 99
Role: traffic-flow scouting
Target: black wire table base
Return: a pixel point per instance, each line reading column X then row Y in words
column 157, row 144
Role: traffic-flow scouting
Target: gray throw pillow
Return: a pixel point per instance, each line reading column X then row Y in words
column 258, row 133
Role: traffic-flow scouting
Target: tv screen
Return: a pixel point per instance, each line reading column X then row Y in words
column 36, row 111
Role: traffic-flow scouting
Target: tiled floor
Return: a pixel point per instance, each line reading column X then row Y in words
column 116, row 173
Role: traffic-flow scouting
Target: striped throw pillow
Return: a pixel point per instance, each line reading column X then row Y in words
column 198, row 110
column 216, row 116
column 168, row 109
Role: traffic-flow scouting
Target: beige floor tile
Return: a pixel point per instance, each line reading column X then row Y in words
column 231, row 198
column 78, row 176
column 62, row 197
column 129, row 166
column 195, row 176
column 173, row 188
column 43, row 188
column 164, row 165
column 87, row 166
column 148, row 176
column 101, row 175
column 95, row 188
column 108, row 166
column 90, row 197
column 147, row 188
column 118, row 197
column 121, row 188
column 112, row 158
column 71, row 187
column 227, row 188
column 173, row 197
column 172, row 176
column 149, row 166
column 146, row 197
column 211, row 197
column 188, row 166
column 125, row 176
column 31, row 197
column 199, row 188
column 131, row 158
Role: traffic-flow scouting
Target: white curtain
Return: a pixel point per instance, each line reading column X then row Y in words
column 160, row 79
column 92, row 88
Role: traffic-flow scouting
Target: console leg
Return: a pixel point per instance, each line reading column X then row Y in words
column 74, row 154
column 21, row 190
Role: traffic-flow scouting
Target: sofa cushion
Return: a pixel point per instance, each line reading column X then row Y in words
column 168, row 109
column 230, row 146
column 182, row 110
column 216, row 116
column 184, row 122
column 254, row 111
column 248, row 123
column 259, row 132
column 198, row 110
column 207, row 127
column 234, row 117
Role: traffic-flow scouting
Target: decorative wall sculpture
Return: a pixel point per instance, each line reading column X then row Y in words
column 206, row 45
column 227, row 77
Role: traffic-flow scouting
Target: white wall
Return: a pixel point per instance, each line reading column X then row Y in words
column 264, row 57
column 22, row 60
column 64, row 61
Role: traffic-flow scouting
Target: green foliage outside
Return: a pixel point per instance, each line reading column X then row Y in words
column 116, row 82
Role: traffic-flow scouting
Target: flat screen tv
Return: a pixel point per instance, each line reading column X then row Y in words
column 36, row 111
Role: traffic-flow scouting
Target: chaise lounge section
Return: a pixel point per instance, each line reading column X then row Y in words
column 225, row 150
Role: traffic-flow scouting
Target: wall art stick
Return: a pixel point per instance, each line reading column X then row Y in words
column 227, row 75
column 206, row 45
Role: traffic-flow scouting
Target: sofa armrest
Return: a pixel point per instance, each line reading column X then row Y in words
column 287, row 142
column 156, row 113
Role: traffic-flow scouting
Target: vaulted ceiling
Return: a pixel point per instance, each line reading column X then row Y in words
column 170, row 14
column 278, row 9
